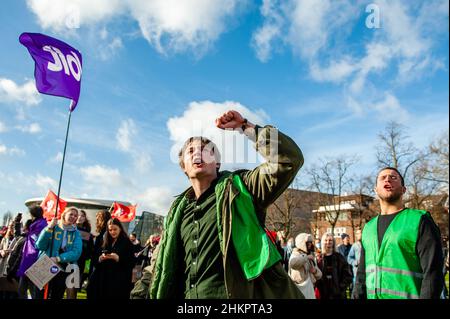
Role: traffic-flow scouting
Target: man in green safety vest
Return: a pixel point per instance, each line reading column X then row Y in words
column 214, row 243
column 401, row 256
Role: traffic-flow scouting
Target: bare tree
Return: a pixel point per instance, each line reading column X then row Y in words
column 396, row 150
column 7, row 217
column 437, row 166
column 421, row 188
column 280, row 216
column 331, row 178
column 425, row 172
column 363, row 209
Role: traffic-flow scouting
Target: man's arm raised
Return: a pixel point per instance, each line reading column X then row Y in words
column 283, row 159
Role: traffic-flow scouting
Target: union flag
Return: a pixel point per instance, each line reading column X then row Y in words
column 49, row 206
column 123, row 213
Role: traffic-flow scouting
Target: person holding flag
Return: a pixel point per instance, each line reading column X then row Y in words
column 58, row 69
column 61, row 241
column 30, row 254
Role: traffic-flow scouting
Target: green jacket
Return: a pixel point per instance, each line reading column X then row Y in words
column 265, row 184
column 393, row 268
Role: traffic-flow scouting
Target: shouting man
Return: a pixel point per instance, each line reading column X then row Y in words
column 214, row 243
column 401, row 255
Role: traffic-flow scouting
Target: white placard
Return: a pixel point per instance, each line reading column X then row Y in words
column 42, row 271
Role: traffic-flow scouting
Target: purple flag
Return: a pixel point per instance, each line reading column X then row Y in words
column 58, row 66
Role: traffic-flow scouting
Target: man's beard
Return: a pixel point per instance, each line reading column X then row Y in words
column 393, row 197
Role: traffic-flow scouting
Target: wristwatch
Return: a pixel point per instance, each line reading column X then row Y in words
column 244, row 125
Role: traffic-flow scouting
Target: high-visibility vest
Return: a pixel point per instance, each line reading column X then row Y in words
column 393, row 268
column 254, row 250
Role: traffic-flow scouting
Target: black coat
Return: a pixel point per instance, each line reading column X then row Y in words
column 96, row 250
column 88, row 248
column 341, row 277
column 111, row 279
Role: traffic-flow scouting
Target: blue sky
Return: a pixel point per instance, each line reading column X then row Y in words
column 156, row 71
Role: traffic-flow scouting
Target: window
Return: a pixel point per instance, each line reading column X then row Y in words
column 331, row 216
column 337, row 231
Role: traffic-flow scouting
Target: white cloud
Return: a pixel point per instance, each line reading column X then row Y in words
column 100, row 181
column 390, row 105
column 58, row 158
column 335, row 72
column 386, row 108
column 264, row 36
column 102, row 175
column 377, row 58
column 64, row 15
column 124, row 137
column 11, row 151
column 124, row 134
column 108, row 47
column 199, row 119
column 142, row 161
column 70, row 158
column 155, row 199
column 168, row 25
column 26, row 93
column 180, row 25
column 33, row 128
column 307, row 30
column 44, row 182
column 308, row 25
column 312, row 29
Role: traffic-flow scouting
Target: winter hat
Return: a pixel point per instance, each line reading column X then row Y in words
column 301, row 239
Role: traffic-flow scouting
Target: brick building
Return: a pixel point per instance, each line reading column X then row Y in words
column 297, row 211
column 296, row 203
column 351, row 211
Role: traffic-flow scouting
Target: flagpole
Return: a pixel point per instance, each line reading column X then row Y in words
column 59, row 189
column 62, row 164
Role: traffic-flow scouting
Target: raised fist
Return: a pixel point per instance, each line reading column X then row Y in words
column 231, row 119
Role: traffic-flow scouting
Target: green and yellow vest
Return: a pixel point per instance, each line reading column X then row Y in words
column 254, row 250
column 393, row 268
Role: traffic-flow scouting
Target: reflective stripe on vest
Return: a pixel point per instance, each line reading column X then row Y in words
column 395, row 271
column 392, row 267
column 392, row 292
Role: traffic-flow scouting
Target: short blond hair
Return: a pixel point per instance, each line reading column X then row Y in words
column 322, row 242
column 67, row 210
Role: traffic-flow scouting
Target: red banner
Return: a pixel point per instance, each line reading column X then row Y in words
column 124, row 213
column 49, row 206
column 272, row 235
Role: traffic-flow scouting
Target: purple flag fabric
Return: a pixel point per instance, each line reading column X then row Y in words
column 58, row 66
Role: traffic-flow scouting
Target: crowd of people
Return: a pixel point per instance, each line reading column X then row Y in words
column 105, row 262
column 215, row 244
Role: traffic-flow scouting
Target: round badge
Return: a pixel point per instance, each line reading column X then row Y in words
column 54, row 269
